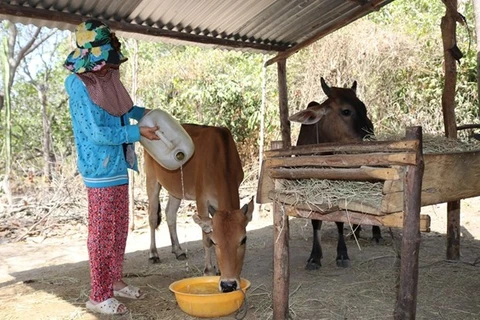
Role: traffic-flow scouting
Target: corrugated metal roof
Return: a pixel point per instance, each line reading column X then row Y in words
column 252, row 25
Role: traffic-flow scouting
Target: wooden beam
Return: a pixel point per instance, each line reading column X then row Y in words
column 353, row 147
column 345, row 160
column 393, row 220
column 131, row 27
column 354, row 15
column 358, row 174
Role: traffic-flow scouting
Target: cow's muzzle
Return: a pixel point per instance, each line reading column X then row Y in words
column 228, row 285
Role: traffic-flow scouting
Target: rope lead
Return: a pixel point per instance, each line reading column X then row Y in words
column 243, row 308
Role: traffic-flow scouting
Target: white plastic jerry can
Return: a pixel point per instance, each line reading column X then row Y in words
column 175, row 146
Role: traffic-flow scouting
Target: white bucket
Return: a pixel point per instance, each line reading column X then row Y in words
column 175, row 146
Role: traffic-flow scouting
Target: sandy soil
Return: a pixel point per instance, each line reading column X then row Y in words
column 48, row 278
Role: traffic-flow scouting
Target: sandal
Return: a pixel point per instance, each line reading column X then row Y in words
column 130, row 292
column 109, row 306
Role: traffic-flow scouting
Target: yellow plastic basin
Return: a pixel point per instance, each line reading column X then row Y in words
column 200, row 297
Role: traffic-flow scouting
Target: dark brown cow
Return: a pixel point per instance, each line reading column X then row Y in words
column 212, row 178
column 341, row 118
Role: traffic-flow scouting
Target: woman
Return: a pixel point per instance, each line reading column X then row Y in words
column 101, row 109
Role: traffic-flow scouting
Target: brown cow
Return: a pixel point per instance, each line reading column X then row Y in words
column 212, row 178
column 341, row 118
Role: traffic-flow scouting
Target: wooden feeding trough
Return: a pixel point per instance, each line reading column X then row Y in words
column 408, row 180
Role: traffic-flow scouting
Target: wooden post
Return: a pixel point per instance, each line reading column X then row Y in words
column 448, row 27
column 405, row 308
column 283, row 102
column 281, row 262
column 281, row 255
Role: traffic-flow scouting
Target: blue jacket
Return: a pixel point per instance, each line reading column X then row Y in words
column 99, row 138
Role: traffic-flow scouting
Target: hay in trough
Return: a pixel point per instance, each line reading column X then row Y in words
column 333, row 193
column 435, row 143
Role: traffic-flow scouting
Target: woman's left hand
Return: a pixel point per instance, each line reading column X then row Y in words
column 149, row 132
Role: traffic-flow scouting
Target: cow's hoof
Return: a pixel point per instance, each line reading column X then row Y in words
column 154, row 260
column 344, row 263
column 182, row 256
column 378, row 240
column 313, row 265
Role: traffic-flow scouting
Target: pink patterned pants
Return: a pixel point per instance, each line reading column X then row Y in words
column 107, row 238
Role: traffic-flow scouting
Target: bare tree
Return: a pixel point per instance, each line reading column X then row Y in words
column 12, row 55
column 40, row 83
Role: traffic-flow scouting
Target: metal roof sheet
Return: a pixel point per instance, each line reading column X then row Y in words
column 250, row 25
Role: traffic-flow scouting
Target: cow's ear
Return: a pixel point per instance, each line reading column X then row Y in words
column 205, row 224
column 310, row 115
column 247, row 210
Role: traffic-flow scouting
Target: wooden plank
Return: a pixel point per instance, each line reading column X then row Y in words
column 392, row 202
column 365, row 207
column 334, row 216
column 394, row 220
column 293, row 200
column 363, row 173
column 448, row 177
column 353, row 147
column 392, row 186
column 346, row 160
column 390, row 173
column 452, row 176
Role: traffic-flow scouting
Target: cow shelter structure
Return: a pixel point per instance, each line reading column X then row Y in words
column 410, row 177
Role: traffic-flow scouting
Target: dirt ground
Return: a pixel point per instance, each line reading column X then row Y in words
column 47, row 278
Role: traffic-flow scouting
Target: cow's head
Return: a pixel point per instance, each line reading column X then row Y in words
column 228, row 232
column 340, row 118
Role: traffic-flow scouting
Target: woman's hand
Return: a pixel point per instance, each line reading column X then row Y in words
column 149, row 132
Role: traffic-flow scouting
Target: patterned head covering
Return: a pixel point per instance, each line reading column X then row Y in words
column 96, row 47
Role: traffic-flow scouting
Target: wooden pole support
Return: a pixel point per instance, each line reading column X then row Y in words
column 283, row 103
column 281, row 262
column 405, row 308
column 449, row 29
column 281, row 254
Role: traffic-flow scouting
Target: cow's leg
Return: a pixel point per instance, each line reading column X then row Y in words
column 154, row 212
column 377, row 235
column 314, row 262
column 171, row 213
column 210, row 269
column 342, row 256
column 202, row 210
